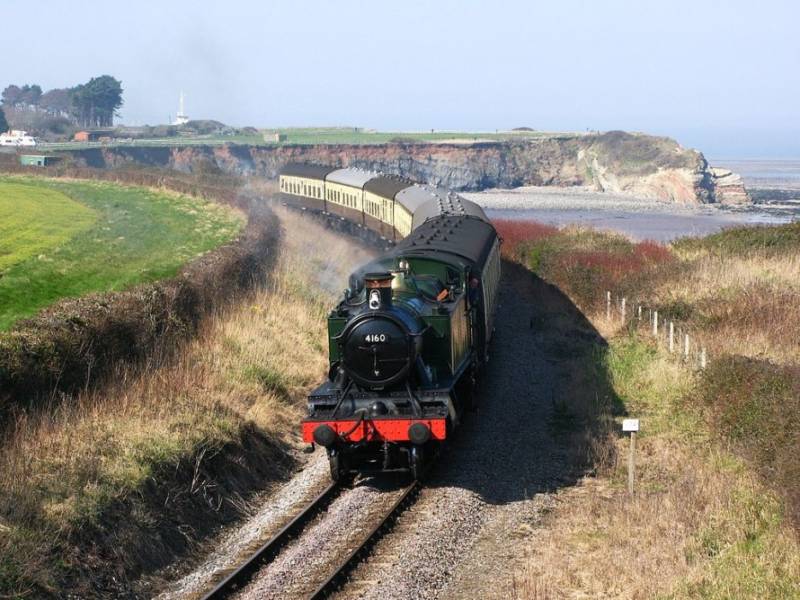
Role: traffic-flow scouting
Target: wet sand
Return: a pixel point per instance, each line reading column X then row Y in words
column 638, row 218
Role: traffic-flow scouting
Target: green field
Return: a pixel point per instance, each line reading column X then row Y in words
column 35, row 219
column 63, row 239
column 314, row 135
column 354, row 135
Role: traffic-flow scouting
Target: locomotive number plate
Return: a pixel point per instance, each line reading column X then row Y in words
column 376, row 338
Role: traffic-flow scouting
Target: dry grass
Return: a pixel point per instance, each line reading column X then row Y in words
column 700, row 524
column 250, row 367
column 717, row 478
column 746, row 305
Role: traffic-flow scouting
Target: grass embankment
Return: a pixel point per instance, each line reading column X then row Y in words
column 124, row 479
column 63, row 239
column 717, row 502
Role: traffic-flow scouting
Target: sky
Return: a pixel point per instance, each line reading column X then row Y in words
column 722, row 77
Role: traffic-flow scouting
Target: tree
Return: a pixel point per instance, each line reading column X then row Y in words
column 12, row 95
column 31, row 94
column 95, row 103
column 3, row 123
column 57, row 102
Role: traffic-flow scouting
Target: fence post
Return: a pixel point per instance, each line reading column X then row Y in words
column 703, row 358
column 655, row 323
column 608, row 305
column 623, row 310
column 671, row 336
column 640, row 312
column 686, row 347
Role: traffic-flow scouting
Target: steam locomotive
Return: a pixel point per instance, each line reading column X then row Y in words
column 410, row 336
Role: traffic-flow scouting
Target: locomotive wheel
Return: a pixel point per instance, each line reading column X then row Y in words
column 468, row 392
column 336, row 464
column 417, row 461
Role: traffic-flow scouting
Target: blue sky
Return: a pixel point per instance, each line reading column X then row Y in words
column 723, row 77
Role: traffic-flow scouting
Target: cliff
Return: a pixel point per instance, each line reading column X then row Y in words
column 648, row 166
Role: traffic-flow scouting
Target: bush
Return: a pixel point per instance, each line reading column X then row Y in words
column 756, row 405
column 583, row 263
column 515, row 233
column 769, row 240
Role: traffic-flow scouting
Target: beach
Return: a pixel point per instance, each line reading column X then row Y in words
column 638, row 218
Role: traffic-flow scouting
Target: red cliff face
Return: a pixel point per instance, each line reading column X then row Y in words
column 647, row 166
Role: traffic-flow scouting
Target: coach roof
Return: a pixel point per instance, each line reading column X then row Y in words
column 464, row 236
column 386, row 186
column 306, row 170
column 451, row 204
column 352, row 177
column 415, row 196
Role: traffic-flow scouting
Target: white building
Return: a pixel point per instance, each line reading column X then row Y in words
column 15, row 137
column 181, row 118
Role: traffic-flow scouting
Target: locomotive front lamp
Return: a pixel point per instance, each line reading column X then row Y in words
column 380, row 289
column 374, row 299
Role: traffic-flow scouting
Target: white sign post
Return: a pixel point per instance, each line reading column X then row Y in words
column 631, row 426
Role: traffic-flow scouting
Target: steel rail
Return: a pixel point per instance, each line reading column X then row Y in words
column 335, row 580
column 244, row 572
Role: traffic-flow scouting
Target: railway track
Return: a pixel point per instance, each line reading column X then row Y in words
column 243, row 574
column 343, row 569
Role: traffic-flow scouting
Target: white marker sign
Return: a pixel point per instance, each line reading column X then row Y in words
column 630, row 425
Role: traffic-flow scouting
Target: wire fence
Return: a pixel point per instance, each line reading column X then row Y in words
column 673, row 336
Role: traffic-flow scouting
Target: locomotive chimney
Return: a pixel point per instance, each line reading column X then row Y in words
column 379, row 289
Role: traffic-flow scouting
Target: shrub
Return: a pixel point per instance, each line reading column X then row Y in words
column 768, row 240
column 515, row 233
column 756, row 404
